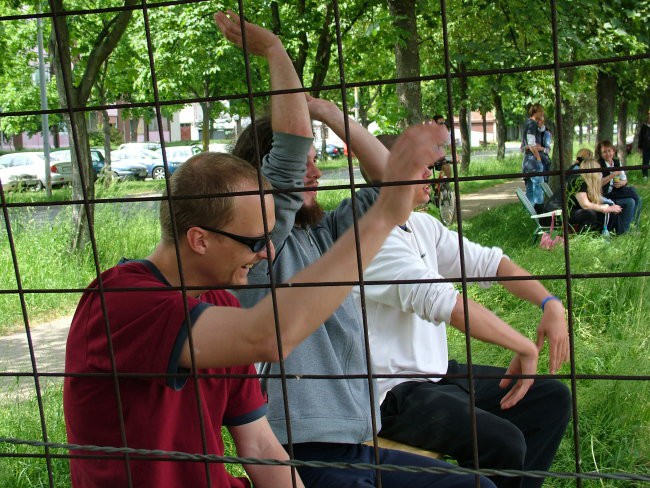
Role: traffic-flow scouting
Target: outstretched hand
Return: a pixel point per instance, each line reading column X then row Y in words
column 410, row 158
column 259, row 41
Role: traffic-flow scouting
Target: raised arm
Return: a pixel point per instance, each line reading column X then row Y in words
column 289, row 111
column 371, row 153
column 227, row 336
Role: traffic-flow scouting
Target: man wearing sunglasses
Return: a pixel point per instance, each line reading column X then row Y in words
column 159, row 356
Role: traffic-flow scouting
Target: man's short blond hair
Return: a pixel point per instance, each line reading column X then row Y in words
column 203, row 192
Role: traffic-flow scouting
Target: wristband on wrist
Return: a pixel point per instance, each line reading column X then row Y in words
column 548, row 299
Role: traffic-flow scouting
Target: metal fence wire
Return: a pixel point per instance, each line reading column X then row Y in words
column 46, row 451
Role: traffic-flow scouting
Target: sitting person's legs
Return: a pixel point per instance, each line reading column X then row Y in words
column 334, row 477
column 437, row 416
column 625, row 218
column 587, row 219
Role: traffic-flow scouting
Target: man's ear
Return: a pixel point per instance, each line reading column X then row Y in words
column 197, row 240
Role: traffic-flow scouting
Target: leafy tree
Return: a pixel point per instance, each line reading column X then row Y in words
column 87, row 40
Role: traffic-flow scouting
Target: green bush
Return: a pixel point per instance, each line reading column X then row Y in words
column 96, row 138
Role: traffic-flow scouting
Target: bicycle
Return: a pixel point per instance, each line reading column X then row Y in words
column 443, row 197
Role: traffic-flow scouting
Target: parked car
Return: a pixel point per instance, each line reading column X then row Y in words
column 176, row 155
column 129, row 164
column 151, row 146
column 331, row 150
column 123, row 169
column 27, row 169
column 151, row 160
column 64, row 161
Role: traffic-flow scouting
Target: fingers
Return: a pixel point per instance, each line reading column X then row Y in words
column 516, row 393
column 229, row 24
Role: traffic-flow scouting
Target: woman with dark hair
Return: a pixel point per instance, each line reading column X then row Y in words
column 587, row 208
column 615, row 184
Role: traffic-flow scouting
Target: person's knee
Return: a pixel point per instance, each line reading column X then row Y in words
column 561, row 397
column 503, row 447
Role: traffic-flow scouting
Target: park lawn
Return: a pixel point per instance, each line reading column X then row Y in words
column 609, row 331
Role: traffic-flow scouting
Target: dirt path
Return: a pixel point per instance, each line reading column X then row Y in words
column 49, row 339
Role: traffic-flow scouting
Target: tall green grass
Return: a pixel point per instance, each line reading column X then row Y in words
column 609, row 329
column 45, row 261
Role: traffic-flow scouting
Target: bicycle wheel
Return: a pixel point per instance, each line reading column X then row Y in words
column 447, row 205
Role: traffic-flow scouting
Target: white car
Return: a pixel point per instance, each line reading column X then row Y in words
column 128, row 146
column 27, row 169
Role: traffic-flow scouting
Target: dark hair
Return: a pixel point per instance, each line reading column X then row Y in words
column 387, row 139
column 437, row 117
column 534, row 108
column 602, row 145
column 245, row 147
column 208, row 173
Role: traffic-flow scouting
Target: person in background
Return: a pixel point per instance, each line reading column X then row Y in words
column 545, row 151
column 616, row 186
column 532, row 162
column 443, row 166
column 588, row 210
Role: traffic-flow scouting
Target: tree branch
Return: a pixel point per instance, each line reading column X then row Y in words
column 104, row 45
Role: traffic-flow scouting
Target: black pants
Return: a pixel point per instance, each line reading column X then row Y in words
column 592, row 220
column 436, row 416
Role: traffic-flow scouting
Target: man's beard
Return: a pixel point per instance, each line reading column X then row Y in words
column 308, row 216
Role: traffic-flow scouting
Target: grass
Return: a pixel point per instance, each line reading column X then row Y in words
column 609, row 329
column 610, row 336
column 46, row 263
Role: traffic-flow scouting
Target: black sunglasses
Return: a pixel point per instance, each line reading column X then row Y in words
column 256, row 244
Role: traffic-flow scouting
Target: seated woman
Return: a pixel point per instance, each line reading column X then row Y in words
column 587, row 208
column 615, row 185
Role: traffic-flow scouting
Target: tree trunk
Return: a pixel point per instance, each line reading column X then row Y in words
column 605, row 105
column 80, row 218
column 463, row 114
column 107, row 137
column 563, row 147
column 133, row 129
column 56, row 140
column 501, row 124
column 580, row 132
column 206, row 110
column 621, row 130
column 484, row 120
column 641, row 115
column 407, row 58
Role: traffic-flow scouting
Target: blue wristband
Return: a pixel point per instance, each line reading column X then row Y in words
column 547, row 299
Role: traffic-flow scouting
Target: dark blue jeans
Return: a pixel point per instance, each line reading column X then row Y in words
column 360, row 478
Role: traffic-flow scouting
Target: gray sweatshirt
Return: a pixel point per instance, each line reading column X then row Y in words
column 320, row 410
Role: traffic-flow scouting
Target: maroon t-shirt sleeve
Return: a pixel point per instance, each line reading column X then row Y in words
column 245, row 401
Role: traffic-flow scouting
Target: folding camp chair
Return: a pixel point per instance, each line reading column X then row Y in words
column 539, row 229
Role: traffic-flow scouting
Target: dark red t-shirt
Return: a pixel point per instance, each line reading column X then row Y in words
column 148, row 329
